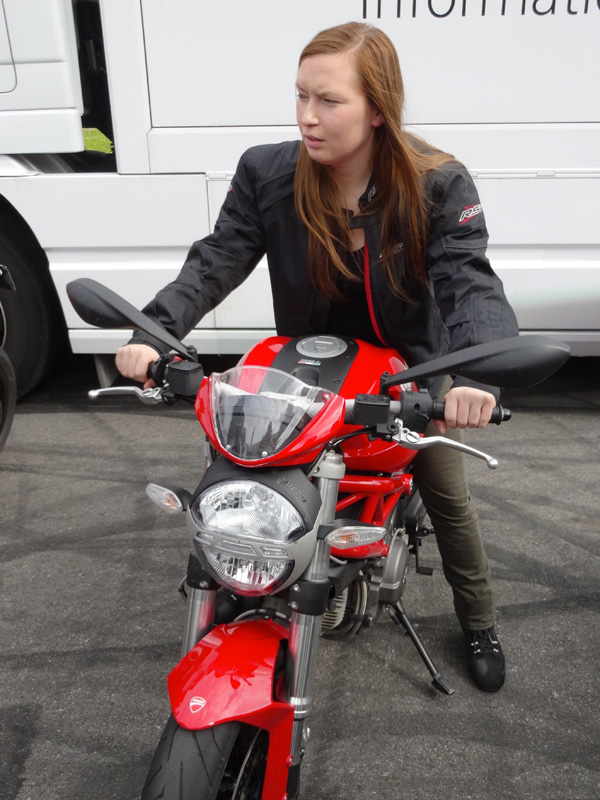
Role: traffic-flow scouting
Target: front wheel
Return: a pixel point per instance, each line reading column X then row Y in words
column 227, row 762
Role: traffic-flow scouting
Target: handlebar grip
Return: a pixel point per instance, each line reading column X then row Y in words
column 499, row 414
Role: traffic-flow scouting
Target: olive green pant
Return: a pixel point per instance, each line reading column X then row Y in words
column 441, row 477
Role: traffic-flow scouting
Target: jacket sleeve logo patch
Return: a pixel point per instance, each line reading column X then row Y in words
column 470, row 211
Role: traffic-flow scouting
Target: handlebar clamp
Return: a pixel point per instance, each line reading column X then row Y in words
column 371, row 409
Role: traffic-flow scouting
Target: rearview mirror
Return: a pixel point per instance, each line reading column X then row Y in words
column 518, row 362
column 101, row 307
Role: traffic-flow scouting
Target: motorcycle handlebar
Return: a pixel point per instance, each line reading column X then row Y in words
column 499, row 413
column 416, row 410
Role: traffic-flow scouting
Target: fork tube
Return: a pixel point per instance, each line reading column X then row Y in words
column 303, row 642
column 305, row 629
column 199, row 616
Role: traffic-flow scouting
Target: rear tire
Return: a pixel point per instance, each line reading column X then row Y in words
column 226, row 762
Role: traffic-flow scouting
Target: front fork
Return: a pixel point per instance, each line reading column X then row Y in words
column 199, row 616
column 201, row 604
column 305, row 629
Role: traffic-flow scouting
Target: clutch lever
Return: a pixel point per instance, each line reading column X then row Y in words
column 413, row 441
column 150, row 397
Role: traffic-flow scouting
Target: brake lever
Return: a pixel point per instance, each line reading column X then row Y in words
column 149, row 397
column 413, row 441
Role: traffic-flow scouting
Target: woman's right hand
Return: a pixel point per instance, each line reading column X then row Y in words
column 133, row 361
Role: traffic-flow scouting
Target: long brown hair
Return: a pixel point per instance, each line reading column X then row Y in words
column 401, row 161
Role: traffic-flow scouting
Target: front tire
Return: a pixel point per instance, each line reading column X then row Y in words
column 226, row 762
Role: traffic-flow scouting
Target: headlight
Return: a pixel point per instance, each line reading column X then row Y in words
column 243, row 529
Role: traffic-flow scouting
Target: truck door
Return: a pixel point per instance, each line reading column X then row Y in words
column 40, row 91
column 8, row 78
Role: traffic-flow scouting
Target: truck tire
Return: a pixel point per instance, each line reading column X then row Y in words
column 8, row 396
column 226, row 762
column 31, row 320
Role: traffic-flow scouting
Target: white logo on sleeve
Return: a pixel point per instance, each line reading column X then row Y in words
column 469, row 212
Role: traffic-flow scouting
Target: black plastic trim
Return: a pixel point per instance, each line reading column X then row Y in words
column 309, row 597
column 328, row 373
column 197, row 576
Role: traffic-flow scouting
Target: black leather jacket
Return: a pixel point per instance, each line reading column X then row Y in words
column 464, row 305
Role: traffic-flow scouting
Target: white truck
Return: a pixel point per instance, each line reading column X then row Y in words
column 182, row 88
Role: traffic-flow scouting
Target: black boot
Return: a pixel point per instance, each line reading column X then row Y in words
column 486, row 660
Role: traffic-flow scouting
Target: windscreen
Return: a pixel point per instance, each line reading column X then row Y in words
column 257, row 411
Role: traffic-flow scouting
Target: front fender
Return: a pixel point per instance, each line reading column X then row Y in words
column 229, row 675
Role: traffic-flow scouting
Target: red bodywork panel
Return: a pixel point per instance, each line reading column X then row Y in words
column 229, row 676
column 302, row 450
column 360, row 454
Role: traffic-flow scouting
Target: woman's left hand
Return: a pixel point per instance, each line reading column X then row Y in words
column 466, row 408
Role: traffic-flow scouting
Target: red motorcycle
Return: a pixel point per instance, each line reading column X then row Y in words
column 301, row 528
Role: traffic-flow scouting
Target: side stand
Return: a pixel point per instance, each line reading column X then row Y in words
column 398, row 614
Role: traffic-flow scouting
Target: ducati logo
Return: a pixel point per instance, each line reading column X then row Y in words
column 197, row 704
column 470, row 211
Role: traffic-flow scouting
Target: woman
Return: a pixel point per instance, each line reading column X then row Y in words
column 371, row 233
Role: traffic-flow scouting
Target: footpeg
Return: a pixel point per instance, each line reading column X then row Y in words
column 415, row 541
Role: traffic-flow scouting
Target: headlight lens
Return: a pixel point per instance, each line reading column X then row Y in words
column 248, row 509
column 244, row 527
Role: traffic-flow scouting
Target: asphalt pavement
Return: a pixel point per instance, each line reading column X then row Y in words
column 90, row 621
